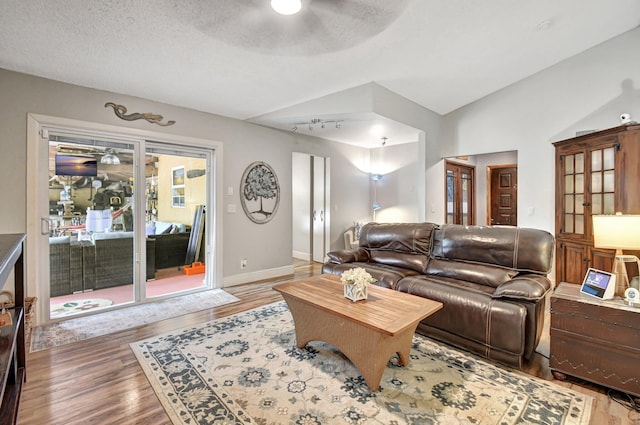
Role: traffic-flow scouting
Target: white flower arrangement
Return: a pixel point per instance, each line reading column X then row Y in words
column 357, row 276
column 356, row 281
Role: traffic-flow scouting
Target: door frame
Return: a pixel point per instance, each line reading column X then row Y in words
column 490, row 170
column 37, row 247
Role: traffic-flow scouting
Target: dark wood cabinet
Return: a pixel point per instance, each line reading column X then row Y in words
column 12, row 336
column 596, row 173
column 598, row 341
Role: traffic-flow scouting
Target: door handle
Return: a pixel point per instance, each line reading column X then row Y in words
column 322, row 215
column 45, row 225
column 314, row 215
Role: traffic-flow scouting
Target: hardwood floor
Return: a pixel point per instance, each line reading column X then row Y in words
column 99, row 381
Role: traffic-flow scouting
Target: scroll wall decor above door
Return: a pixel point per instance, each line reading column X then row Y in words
column 260, row 192
column 121, row 112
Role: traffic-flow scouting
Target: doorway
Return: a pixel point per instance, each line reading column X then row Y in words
column 459, row 193
column 502, row 195
column 116, row 215
column 311, row 217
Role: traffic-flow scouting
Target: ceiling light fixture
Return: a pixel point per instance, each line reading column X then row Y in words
column 110, row 158
column 286, row 7
column 313, row 123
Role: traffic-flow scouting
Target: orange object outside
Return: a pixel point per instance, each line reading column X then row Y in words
column 194, row 268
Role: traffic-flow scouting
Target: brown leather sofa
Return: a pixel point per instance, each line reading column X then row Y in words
column 491, row 280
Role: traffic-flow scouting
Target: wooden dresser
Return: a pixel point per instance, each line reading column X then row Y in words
column 598, row 341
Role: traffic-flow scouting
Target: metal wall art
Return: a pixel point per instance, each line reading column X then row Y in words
column 260, row 192
column 121, row 112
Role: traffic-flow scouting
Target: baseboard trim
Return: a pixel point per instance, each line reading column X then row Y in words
column 302, row 255
column 239, row 279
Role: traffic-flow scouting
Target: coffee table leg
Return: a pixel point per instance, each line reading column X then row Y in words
column 405, row 348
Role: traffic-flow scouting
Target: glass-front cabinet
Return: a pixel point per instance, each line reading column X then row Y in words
column 595, row 174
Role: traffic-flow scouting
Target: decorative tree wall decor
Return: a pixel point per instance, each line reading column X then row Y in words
column 260, row 192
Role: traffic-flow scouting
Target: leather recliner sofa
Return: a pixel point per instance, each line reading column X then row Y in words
column 492, row 280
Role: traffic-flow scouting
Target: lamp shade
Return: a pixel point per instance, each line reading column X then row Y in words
column 616, row 231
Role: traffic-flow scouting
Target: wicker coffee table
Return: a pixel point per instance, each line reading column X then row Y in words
column 367, row 332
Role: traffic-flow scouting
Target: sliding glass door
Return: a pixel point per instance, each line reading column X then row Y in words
column 126, row 221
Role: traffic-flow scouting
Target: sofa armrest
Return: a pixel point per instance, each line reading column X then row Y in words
column 527, row 287
column 348, row 256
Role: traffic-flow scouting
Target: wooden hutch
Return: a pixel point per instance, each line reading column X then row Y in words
column 596, row 340
column 596, row 173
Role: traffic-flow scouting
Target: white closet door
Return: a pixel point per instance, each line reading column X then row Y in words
column 319, row 211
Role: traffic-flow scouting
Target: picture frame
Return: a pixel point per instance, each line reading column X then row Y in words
column 177, row 187
column 177, row 176
column 259, row 192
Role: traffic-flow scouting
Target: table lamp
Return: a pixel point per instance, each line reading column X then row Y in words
column 618, row 232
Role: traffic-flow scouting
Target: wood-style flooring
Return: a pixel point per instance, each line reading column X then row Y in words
column 99, row 381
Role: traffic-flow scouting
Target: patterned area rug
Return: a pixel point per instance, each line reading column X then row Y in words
column 245, row 369
column 72, row 330
column 80, row 306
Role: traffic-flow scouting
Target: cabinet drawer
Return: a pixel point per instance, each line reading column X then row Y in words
column 614, row 326
column 595, row 360
column 608, row 333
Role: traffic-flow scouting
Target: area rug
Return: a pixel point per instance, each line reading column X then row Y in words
column 245, row 369
column 77, row 329
column 74, row 307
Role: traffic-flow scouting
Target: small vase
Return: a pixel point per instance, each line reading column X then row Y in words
column 355, row 293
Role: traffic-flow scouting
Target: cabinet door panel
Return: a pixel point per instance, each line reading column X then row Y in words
column 571, row 262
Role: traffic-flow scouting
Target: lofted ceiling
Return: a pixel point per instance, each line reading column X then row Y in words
column 238, row 58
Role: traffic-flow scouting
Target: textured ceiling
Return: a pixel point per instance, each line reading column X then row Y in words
column 239, row 59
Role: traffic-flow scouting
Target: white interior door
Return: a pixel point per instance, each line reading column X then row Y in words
column 310, row 190
column 319, row 209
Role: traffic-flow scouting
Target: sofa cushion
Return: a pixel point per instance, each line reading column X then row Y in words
column 386, row 276
column 111, row 235
column 516, row 248
column 59, row 239
column 472, row 315
column 476, row 273
column 398, row 244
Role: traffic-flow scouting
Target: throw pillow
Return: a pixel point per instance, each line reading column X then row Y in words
column 356, row 230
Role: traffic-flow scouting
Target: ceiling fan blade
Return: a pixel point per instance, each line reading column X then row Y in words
column 321, row 26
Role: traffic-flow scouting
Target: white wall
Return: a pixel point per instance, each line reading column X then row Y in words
column 267, row 247
column 587, row 91
column 397, row 191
